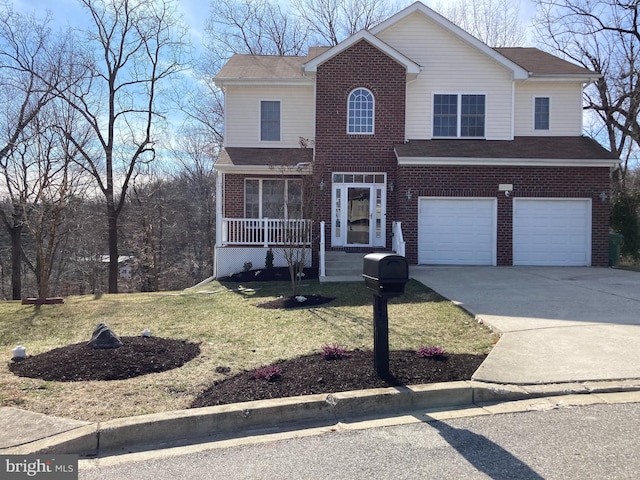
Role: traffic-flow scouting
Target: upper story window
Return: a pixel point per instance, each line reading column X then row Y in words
column 360, row 108
column 270, row 121
column 272, row 198
column 458, row 115
column 541, row 113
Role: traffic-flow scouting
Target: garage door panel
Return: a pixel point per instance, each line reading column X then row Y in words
column 552, row 232
column 456, row 231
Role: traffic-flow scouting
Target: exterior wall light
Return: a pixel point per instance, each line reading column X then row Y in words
column 322, row 184
column 409, row 194
column 391, row 186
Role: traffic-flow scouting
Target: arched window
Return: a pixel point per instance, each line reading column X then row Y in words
column 360, row 111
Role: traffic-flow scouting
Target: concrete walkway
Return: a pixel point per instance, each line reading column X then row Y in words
column 558, row 324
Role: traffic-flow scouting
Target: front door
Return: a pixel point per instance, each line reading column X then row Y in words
column 358, row 214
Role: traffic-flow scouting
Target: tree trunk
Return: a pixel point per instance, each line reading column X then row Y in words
column 16, row 261
column 113, row 248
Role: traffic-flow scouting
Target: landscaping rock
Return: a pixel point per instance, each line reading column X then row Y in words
column 103, row 337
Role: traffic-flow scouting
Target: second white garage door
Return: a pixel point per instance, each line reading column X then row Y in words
column 552, row 232
column 457, row 231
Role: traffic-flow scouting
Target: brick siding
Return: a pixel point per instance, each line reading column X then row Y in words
column 479, row 181
column 361, row 65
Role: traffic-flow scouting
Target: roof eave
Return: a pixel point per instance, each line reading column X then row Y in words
column 286, row 170
column 563, row 77
column 227, row 81
column 518, row 162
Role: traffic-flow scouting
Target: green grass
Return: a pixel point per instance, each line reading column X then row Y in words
column 232, row 332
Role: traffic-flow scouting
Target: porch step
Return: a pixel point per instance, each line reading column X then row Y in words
column 343, row 267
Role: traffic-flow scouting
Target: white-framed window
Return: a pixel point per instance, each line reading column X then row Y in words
column 270, row 120
column 360, row 108
column 541, row 113
column 273, row 198
column 459, row 115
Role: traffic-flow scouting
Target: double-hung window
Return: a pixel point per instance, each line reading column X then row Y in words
column 270, row 121
column 360, row 112
column 541, row 113
column 272, row 198
column 458, row 115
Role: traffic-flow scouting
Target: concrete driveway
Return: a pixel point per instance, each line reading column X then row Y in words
column 558, row 324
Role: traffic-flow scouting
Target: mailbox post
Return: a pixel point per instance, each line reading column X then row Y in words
column 385, row 274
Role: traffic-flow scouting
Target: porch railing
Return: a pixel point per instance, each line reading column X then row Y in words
column 398, row 243
column 266, row 231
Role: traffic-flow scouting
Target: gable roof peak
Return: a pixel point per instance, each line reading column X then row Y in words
column 311, row 67
column 519, row 73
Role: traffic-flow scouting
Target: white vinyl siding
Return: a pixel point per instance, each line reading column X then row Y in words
column 450, row 65
column 565, row 116
column 242, row 103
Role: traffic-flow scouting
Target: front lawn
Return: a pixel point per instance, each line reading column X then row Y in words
column 233, row 333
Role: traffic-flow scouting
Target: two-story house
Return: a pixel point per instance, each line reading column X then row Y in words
column 416, row 137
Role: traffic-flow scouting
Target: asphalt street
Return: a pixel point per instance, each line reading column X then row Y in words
column 595, row 442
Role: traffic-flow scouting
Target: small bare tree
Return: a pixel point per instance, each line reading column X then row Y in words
column 331, row 21
column 497, row 23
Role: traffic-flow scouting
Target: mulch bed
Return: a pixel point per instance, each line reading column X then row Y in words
column 299, row 376
column 79, row 362
column 313, row 374
column 276, row 274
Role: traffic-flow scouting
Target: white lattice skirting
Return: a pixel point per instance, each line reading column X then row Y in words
column 230, row 260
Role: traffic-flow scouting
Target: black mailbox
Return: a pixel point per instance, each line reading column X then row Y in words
column 385, row 274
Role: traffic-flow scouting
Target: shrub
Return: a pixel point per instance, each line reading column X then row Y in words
column 268, row 261
column 268, row 373
column 430, row 352
column 624, row 220
column 334, row 352
column 247, row 266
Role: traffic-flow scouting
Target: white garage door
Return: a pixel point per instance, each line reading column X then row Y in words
column 457, row 231
column 552, row 232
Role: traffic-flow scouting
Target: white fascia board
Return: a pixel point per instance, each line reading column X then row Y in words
column 519, row 73
column 537, row 78
column 412, row 68
column 511, row 162
column 257, row 82
column 264, row 169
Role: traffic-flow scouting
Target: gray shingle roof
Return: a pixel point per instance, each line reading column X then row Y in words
column 280, row 67
column 241, row 156
column 541, row 63
column 561, row 148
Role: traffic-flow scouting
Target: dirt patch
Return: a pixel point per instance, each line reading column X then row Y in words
column 79, row 362
column 313, row 374
column 298, row 301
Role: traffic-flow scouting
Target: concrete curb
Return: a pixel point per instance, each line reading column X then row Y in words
column 238, row 420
